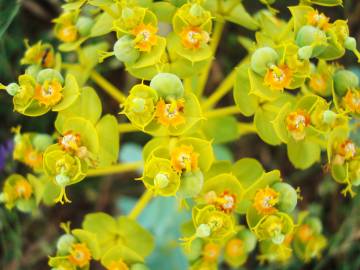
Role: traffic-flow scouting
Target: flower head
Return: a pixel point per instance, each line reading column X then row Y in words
column 317, row 19
column 318, row 83
column 225, row 202
column 170, row 114
column 234, row 247
column 80, row 255
column 347, row 149
column 304, row 233
column 352, row 101
column 23, row 189
column 296, row 122
column 33, row 158
column 49, row 93
column 145, row 37
column 278, row 77
column 70, row 142
column 265, row 199
column 211, row 252
column 194, row 37
column 184, row 158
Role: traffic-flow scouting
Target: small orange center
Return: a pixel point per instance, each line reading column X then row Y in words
column 194, row 37
column 319, row 20
column 278, row 77
column 145, row 37
column 234, row 248
column 184, row 158
column 304, row 233
column 32, row 158
column 265, row 199
column 352, row 101
column 170, row 114
column 318, row 83
column 49, row 93
column 23, row 189
column 297, row 122
column 211, row 252
column 347, row 149
column 226, row 202
column 70, row 142
column 80, row 255
column 67, row 33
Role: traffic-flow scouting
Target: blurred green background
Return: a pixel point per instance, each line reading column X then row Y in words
column 25, row 241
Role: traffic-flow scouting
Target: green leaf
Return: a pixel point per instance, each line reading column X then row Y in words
column 8, row 10
column 265, row 129
column 247, row 170
column 70, row 93
column 164, row 11
column 123, row 253
column 102, row 26
column 240, row 16
column 303, row 154
column 221, row 129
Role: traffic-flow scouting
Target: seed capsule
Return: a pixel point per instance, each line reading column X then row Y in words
column 125, row 51
column 287, row 197
column 345, row 80
column 262, row 59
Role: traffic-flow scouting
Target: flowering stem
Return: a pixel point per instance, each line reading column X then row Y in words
column 215, row 39
column 221, row 91
column 230, row 110
column 107, row 87
column 246, row 128
column 127, row 127
column 114, row 169
column 141, row 204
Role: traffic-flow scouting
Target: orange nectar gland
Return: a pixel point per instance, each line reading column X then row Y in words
column 234, row 248
column 226, row 202
column 49, row 93
column 145, row 37
column 67, row 33
column 211, row 252
column 304, row 233
column 170, row 114
column 194, row 37
column 318, row 83
column 347, row 149
column 297, row 122
column 265, row 199
column 23, row 189
column 79, row 255
column 317, row 19
column 32, row 158
column 70, row 142
column 184, row 158
column 118, row 265
column 278, row 77
column 352, row 101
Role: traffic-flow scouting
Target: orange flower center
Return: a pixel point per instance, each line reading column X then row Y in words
column 347, row 149
column 234, row 248
column 352, row 101
column 211, row 252
column 118, row 265
column 80, row 255
column 32, row 158
column 319, row 20
column 304, row 233
column 70, row 142
column 278, row 77
column 170, row 114
column 265, row 199
column 318, row 83
column 184, row 158
column 226, row 202
column 297, row 122
column 145, row 37
column 49, row 93
column 194, row 37
column 67, row 33
column 23, row 189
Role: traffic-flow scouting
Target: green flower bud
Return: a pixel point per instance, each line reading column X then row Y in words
column 139, row 266
column 345, row 80
column 12, row 89
column 33, row 70
column 195, row 251
column 127, row 13
column 203, row 231
column 62, row 180
column 262, row 59
column 138, row 105
column 84, row 25
column 191, row 184
column 305, row 52
column 315, row 224
column 168, row 86
column 287, row 197
column 329, row 117
column 161, row 180
column 350, row 44
column 248, row 238
column 64, row 243
column 42, row 141
column 125, row 51
column 311, row 36
column 49, row 74
column 196, row 10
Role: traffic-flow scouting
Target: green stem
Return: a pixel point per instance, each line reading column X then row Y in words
column 127, row 127
column 215, row 39
column 115, row 169
column 246, row 128
column 230, row 110
column 107, row 87
column 141, row 204
column 221, row 91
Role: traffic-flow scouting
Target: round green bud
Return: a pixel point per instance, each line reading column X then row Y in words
column 305, row 52
column 127, row 13
column 42, row 141
column 62, row 180
column 161, row 180
column 33, row 70
column 329, row 117
column 314, row 223
column 191, row 184
column 168, row 86
column 203, row 231
column 12, row 89
column 311, row 36
column 195, row 250
column 287, row 197
column 125, row 51
column 139, row 266
column 345, row 80
column 262, row 59
column 64, row 243
column 26, row 206
column 138, row 105
column 196, row 10
column 84, row 25
column 248, row 238
column 350, row 44
column 49, row 74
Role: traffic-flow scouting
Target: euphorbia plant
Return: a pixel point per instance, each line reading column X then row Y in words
column 288, row 86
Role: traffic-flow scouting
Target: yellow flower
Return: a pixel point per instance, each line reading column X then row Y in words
column 297, row 122
column 234, row 248
column 304, row 233
column 265, row 199
column 145, row 37
column 23, row 189
column 317, row 19
column 49, row 93
column 67, row 33
column 118, row 265
column 32, row 158
column 194, row 37
column 278, row 77
column 80, row 255
column 318, row 83
column 184, row 158
column 211, row 252
column 352, row 101
column 347, row 149
column 225, row 202
column 70, row 142
column 170, row 114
